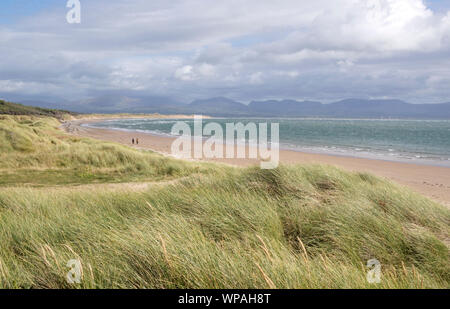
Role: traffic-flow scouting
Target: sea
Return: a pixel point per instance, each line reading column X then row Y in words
column 412, row 141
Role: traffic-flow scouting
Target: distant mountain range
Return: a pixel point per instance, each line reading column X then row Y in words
column 224, row 107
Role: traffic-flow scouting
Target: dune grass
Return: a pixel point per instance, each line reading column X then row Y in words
column 215, row 226
column 9, row 108
column 34, row 152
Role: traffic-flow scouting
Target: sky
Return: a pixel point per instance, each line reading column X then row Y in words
column 242, row 49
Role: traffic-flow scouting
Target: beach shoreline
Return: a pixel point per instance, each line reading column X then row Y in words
column 429, row 180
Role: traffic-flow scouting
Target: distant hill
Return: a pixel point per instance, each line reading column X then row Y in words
column 218, row 106
column 225, row 107
column 8, row 108
column 350, row 108
column 379, row 109
column 128, row 104
column 286, row 108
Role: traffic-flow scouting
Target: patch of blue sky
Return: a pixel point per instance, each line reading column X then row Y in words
column 12, row 11
column 438, row 6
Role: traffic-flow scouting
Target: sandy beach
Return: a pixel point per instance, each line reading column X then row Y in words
column 431, row 181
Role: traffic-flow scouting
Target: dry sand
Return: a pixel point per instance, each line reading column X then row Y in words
column 431, row 181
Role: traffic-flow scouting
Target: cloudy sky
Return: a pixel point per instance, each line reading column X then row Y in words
column 243, row 49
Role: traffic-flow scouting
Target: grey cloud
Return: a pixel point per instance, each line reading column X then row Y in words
column 317, row 50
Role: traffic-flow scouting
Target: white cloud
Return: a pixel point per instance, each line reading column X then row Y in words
column 256, row 78
column 206, row 70
column 185, row 73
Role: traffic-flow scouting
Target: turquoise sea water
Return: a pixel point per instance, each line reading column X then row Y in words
column 415, row 141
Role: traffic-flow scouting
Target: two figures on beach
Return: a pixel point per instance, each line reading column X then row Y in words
column 135, row 141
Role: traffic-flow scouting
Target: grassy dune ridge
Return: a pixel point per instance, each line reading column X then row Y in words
column 204, row 225
column 9, row 108
column 34, row 151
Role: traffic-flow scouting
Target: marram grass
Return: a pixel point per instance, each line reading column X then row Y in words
column 34, row 152
column 212, row 226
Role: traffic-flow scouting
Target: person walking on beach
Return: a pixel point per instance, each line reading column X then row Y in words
column 132, row 141
column 137, row 141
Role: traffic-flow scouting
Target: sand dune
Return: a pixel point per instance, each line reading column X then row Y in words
column 431, row 181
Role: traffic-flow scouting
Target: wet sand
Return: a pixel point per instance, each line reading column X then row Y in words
column 431, row 181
